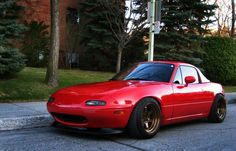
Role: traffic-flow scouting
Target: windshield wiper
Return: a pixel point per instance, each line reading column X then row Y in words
column 136, row 79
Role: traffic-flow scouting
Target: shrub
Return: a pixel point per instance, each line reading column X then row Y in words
column 11, row 61
column 36, row 44
column 219, row 62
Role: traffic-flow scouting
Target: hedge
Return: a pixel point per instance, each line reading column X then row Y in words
column 219, row 61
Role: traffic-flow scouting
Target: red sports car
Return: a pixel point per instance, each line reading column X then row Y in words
column 141, row 99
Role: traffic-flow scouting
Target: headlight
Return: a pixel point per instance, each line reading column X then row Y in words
column 95, row 103
column 51, row 99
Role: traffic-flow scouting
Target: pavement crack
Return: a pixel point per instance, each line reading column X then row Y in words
column 128, row 145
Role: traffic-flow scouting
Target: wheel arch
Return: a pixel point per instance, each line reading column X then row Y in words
column 215, row 97
column 130, row 119
column 146, row 97
column 221, row 95
column 152, row 97
column 213, row 116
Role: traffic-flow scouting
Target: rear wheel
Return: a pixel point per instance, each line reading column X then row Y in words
column 218, row 110
column 145, row 119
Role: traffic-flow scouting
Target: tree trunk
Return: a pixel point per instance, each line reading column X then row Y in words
column 119, row 58
column 233, row 18
column 52, row 70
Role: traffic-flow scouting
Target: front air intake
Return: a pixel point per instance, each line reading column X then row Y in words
column 70, row 118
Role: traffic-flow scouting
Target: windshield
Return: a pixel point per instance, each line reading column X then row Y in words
column 147, row 71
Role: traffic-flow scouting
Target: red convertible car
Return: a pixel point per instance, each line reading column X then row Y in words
column 141, row 99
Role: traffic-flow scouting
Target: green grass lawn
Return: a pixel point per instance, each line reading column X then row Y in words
column 29, row 84
column 230, row 88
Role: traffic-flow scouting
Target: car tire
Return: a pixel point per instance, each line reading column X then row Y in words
column 145, row 119
column 218, row 110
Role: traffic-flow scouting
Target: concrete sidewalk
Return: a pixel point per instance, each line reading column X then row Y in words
column 23, row 115
column 34, row 114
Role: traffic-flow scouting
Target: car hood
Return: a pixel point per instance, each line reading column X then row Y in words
column 107, row 87
column 77, row 94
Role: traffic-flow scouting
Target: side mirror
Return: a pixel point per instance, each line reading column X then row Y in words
column 189, row 79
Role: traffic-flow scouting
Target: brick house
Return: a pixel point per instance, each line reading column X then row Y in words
column 39, row 10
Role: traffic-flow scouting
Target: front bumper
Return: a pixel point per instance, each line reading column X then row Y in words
column 89, row 117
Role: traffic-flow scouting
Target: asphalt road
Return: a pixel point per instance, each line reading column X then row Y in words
column 197, row 135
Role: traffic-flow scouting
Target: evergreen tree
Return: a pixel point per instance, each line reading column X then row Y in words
column 10, row 31
column 96, row 37
column 10, row 61
column 183, row 23
column 10, row 28
column 134, row 51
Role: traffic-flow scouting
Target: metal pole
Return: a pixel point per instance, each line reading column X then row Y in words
column 151, row 30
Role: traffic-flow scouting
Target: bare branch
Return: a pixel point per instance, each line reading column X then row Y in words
column 125, row 20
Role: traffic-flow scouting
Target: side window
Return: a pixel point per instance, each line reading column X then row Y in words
column 189, row 71
column 178, row 77
column 203, row 78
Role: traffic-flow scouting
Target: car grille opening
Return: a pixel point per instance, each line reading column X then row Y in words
column 70, row 118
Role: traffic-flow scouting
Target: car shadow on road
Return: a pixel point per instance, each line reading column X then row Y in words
column 121, row 134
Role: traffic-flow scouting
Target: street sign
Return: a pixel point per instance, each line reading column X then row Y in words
column 157, row 11
column 157, row 27
column 149, row 12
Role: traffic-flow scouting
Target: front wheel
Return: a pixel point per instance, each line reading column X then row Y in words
column 145, row 119
column 218, row 110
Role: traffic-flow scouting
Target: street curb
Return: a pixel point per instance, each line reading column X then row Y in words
column 25, row 122
column 230, row 97
column 232, row 101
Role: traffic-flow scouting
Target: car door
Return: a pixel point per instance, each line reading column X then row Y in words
column 188, row 99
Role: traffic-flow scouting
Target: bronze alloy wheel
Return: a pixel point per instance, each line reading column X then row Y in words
column 218, row 109
column 150, row 118
column 145, row 119
column 221, row 109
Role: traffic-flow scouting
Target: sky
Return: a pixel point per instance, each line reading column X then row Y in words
column 223, row 13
